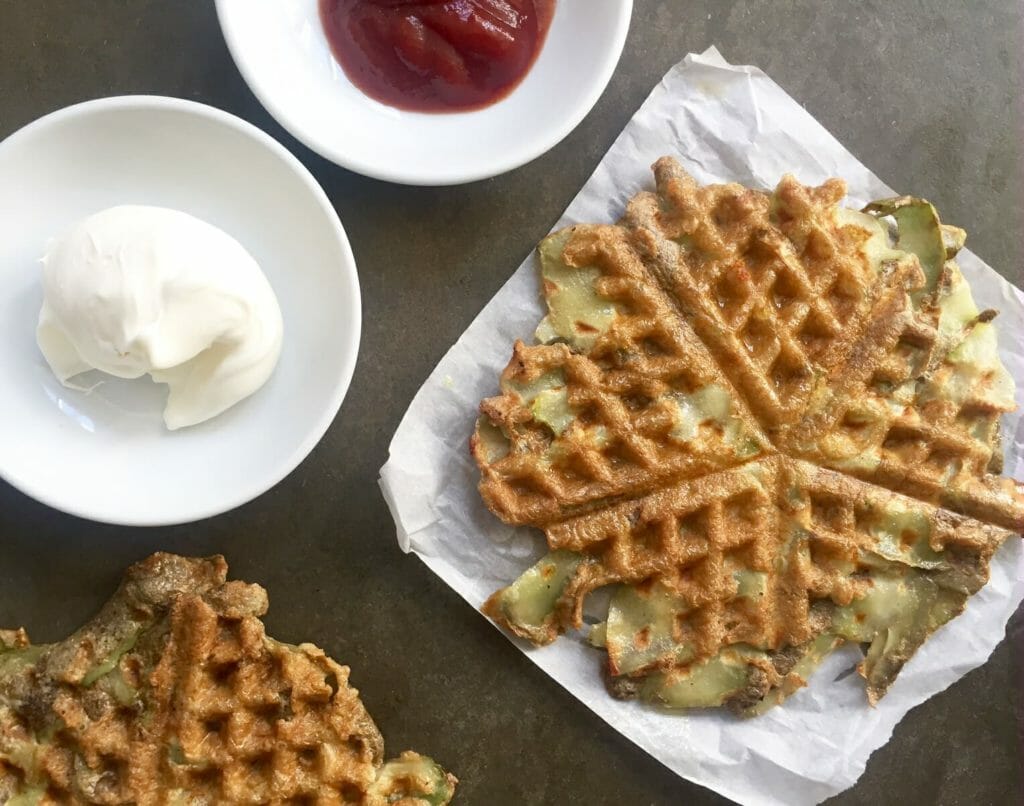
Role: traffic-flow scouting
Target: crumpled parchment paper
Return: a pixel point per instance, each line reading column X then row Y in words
column 725, row 123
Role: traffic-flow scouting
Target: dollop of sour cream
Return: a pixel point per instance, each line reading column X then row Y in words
column 138, row 290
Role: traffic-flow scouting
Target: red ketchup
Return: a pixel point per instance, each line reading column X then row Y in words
column 436, row 55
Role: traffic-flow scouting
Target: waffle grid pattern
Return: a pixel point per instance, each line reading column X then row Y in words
column 255, row 722
column 623, row 393
column 926, row 443
column 770, row 291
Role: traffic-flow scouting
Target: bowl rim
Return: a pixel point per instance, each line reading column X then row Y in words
column 428, row 176
column 352, row 321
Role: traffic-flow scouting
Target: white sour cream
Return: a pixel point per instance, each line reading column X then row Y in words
column 146, row 290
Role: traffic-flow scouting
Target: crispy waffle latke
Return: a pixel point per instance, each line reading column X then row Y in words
column 768, row 424
column 174, row 694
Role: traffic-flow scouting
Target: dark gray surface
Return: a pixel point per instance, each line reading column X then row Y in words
column 926, row 93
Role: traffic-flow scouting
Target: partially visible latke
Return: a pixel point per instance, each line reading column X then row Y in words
column 174, row 694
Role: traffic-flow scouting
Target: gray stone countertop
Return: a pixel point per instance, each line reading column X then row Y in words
column 927, row 94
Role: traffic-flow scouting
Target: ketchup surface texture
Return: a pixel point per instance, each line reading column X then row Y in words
column 436, row 55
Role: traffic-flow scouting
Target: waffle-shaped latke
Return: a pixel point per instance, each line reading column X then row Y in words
column 174, row 694
column 862, row 502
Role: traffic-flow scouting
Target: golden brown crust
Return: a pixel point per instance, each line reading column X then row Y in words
column 624, row 386
column 635, row 406
column 769, row 291
column 934, row 448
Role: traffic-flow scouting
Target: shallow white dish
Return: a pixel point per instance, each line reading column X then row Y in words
column 282, row 52
column 106, row 455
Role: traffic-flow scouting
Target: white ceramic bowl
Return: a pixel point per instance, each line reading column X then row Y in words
column 283, row 54
column 106, row 455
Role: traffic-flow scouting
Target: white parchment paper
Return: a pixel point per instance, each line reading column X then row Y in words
column 724, row 123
